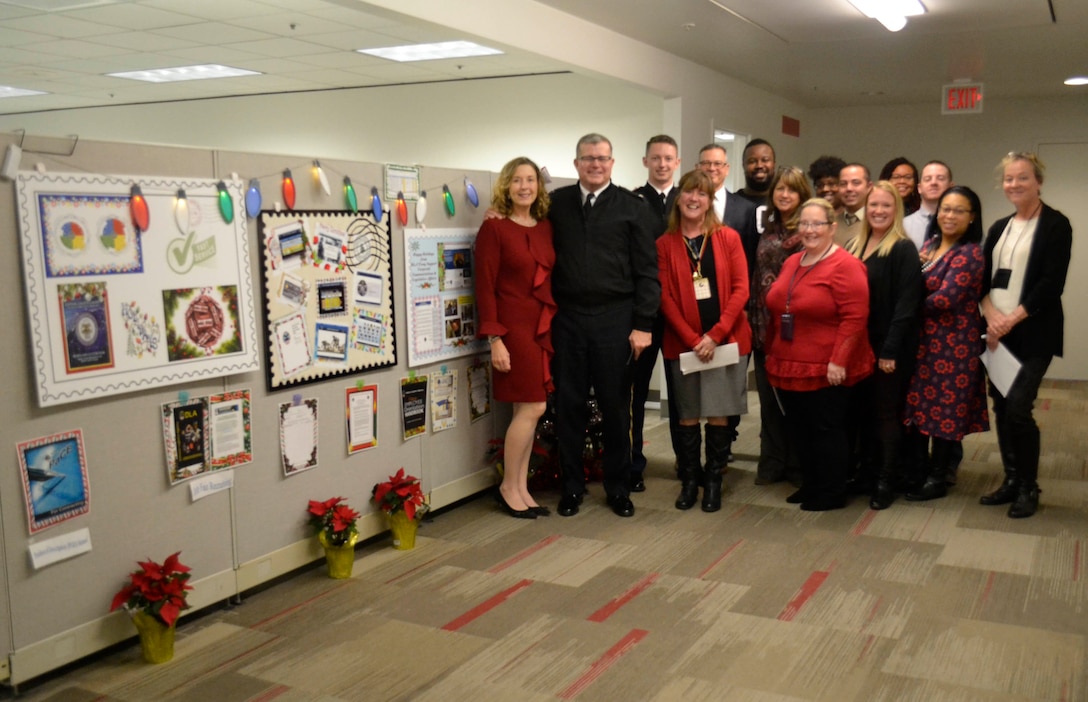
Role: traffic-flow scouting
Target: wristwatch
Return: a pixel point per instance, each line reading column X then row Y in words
column 492, row 339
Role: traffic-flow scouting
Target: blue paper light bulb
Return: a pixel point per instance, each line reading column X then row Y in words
column 253, row 198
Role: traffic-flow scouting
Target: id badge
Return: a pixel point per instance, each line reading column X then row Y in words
column 1001, row 278
column 702, row 288
column 785, row 330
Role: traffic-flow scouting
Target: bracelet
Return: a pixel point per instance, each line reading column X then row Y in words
column 492, row 339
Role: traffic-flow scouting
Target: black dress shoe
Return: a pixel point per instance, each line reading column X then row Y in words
column 635, row 483
column 621, row 505
column 515, row 513
column 823, row 503
column 568, row 505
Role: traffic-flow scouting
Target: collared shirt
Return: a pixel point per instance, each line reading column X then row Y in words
column 596, row 193
column 915, row 225
column 719, row 203
column 849, row 226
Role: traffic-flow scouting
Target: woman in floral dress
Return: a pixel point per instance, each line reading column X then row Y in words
column 947, row 395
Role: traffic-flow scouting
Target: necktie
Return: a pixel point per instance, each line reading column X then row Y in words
column 589, row 204
column 850, row 218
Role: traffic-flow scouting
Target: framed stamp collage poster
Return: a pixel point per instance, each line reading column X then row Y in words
column 328, row 295
column 113, row 310
column 441, row 295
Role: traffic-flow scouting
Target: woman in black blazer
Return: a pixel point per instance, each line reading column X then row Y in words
column 1027, row 258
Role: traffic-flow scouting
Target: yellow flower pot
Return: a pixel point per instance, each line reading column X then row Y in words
column 156, row 638
column 404, row 530
column 340, row 559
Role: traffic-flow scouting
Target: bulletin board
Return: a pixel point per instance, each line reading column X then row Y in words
column 111, row 310
column 327, row 280
column 439, row 267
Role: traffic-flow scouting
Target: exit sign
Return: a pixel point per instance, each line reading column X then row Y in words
column 961, row 98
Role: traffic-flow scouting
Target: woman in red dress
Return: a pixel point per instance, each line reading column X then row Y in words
column 514, row 259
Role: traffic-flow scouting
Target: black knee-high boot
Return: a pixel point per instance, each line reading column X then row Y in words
column 1010, row 487
column 1027, row 494
column 719, row 443
column 689, row 444
column 935, row 485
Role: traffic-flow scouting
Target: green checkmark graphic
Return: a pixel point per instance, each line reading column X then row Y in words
column 184, row 253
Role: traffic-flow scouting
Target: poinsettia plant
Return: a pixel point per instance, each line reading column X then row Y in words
column 335, row 518
column 401, row 492
column 156, row 589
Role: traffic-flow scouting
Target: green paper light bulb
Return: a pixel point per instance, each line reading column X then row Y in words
column 350, row 196
column 226, row 202
column 447, row 197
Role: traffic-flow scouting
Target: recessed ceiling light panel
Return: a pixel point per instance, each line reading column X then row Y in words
column 170, row 75
column 6, row 91
column 1077, row 80
column 431, row 52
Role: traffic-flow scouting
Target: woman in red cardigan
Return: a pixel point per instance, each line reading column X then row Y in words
column 704, row 289
column 819, row 347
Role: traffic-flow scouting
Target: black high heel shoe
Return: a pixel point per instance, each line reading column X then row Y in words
column 515, row 513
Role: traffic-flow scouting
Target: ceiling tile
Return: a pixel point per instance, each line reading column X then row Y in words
column 134, row 15
column 80, row 49
column 213, row 33
column 58, row 25
column 281, row 47
column 144, row 41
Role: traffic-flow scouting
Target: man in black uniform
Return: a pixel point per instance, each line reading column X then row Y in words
column 605, row 283
column 661, row 160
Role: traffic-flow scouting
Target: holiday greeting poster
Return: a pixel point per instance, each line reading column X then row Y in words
column 112, row 309
column 186, row 439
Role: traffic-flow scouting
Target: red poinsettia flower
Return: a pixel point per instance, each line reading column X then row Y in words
column 401, row 492
column 157, row 590
column 334, row 518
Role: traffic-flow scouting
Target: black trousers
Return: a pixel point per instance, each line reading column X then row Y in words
column 1017, row 432
column 593, row 350
column 816, row 422
column 643, row 370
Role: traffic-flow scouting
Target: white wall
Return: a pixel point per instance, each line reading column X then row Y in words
column 973, row 145
column 481, row 124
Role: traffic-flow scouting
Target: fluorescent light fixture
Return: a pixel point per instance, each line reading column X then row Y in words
column 722, row 135
column 7, row 91
column 170, row 75
column 892, row 14
column 430, row 52
column 1077, row 80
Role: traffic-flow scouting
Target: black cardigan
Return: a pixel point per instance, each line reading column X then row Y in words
column 1043, row 332
column 895, row 299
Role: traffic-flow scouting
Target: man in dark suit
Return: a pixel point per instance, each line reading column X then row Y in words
column 605, row 284
column 734, row 212
column 661, row 160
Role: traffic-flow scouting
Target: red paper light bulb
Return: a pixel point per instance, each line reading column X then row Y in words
column 288, row 189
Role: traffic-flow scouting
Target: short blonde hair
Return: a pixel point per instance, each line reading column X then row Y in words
column 1036, row 164
column 500, row 194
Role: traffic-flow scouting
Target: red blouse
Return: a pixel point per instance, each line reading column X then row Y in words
column 829, row 302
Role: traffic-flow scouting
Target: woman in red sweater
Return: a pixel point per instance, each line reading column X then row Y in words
column 704, row 288
column 819, row 347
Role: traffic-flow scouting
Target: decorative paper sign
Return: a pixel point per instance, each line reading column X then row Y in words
column 185, row 436
column 401, row 179
column 60, row 548
column 328, row 297
column 54, row 474
column 101, row 298
column 362, row 412
column 298, row 436
column 232, row 444
column 443, row 400
column 413, row 406
column 219, row 481
column 438, row 267
column 479, row 389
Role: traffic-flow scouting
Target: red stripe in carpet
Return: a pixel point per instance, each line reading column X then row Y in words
column 485, row 607
column 721, row 558
column 611, row 656
column 543, row 543
column 612, row 607
column 864, row 522
column 803, row 595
